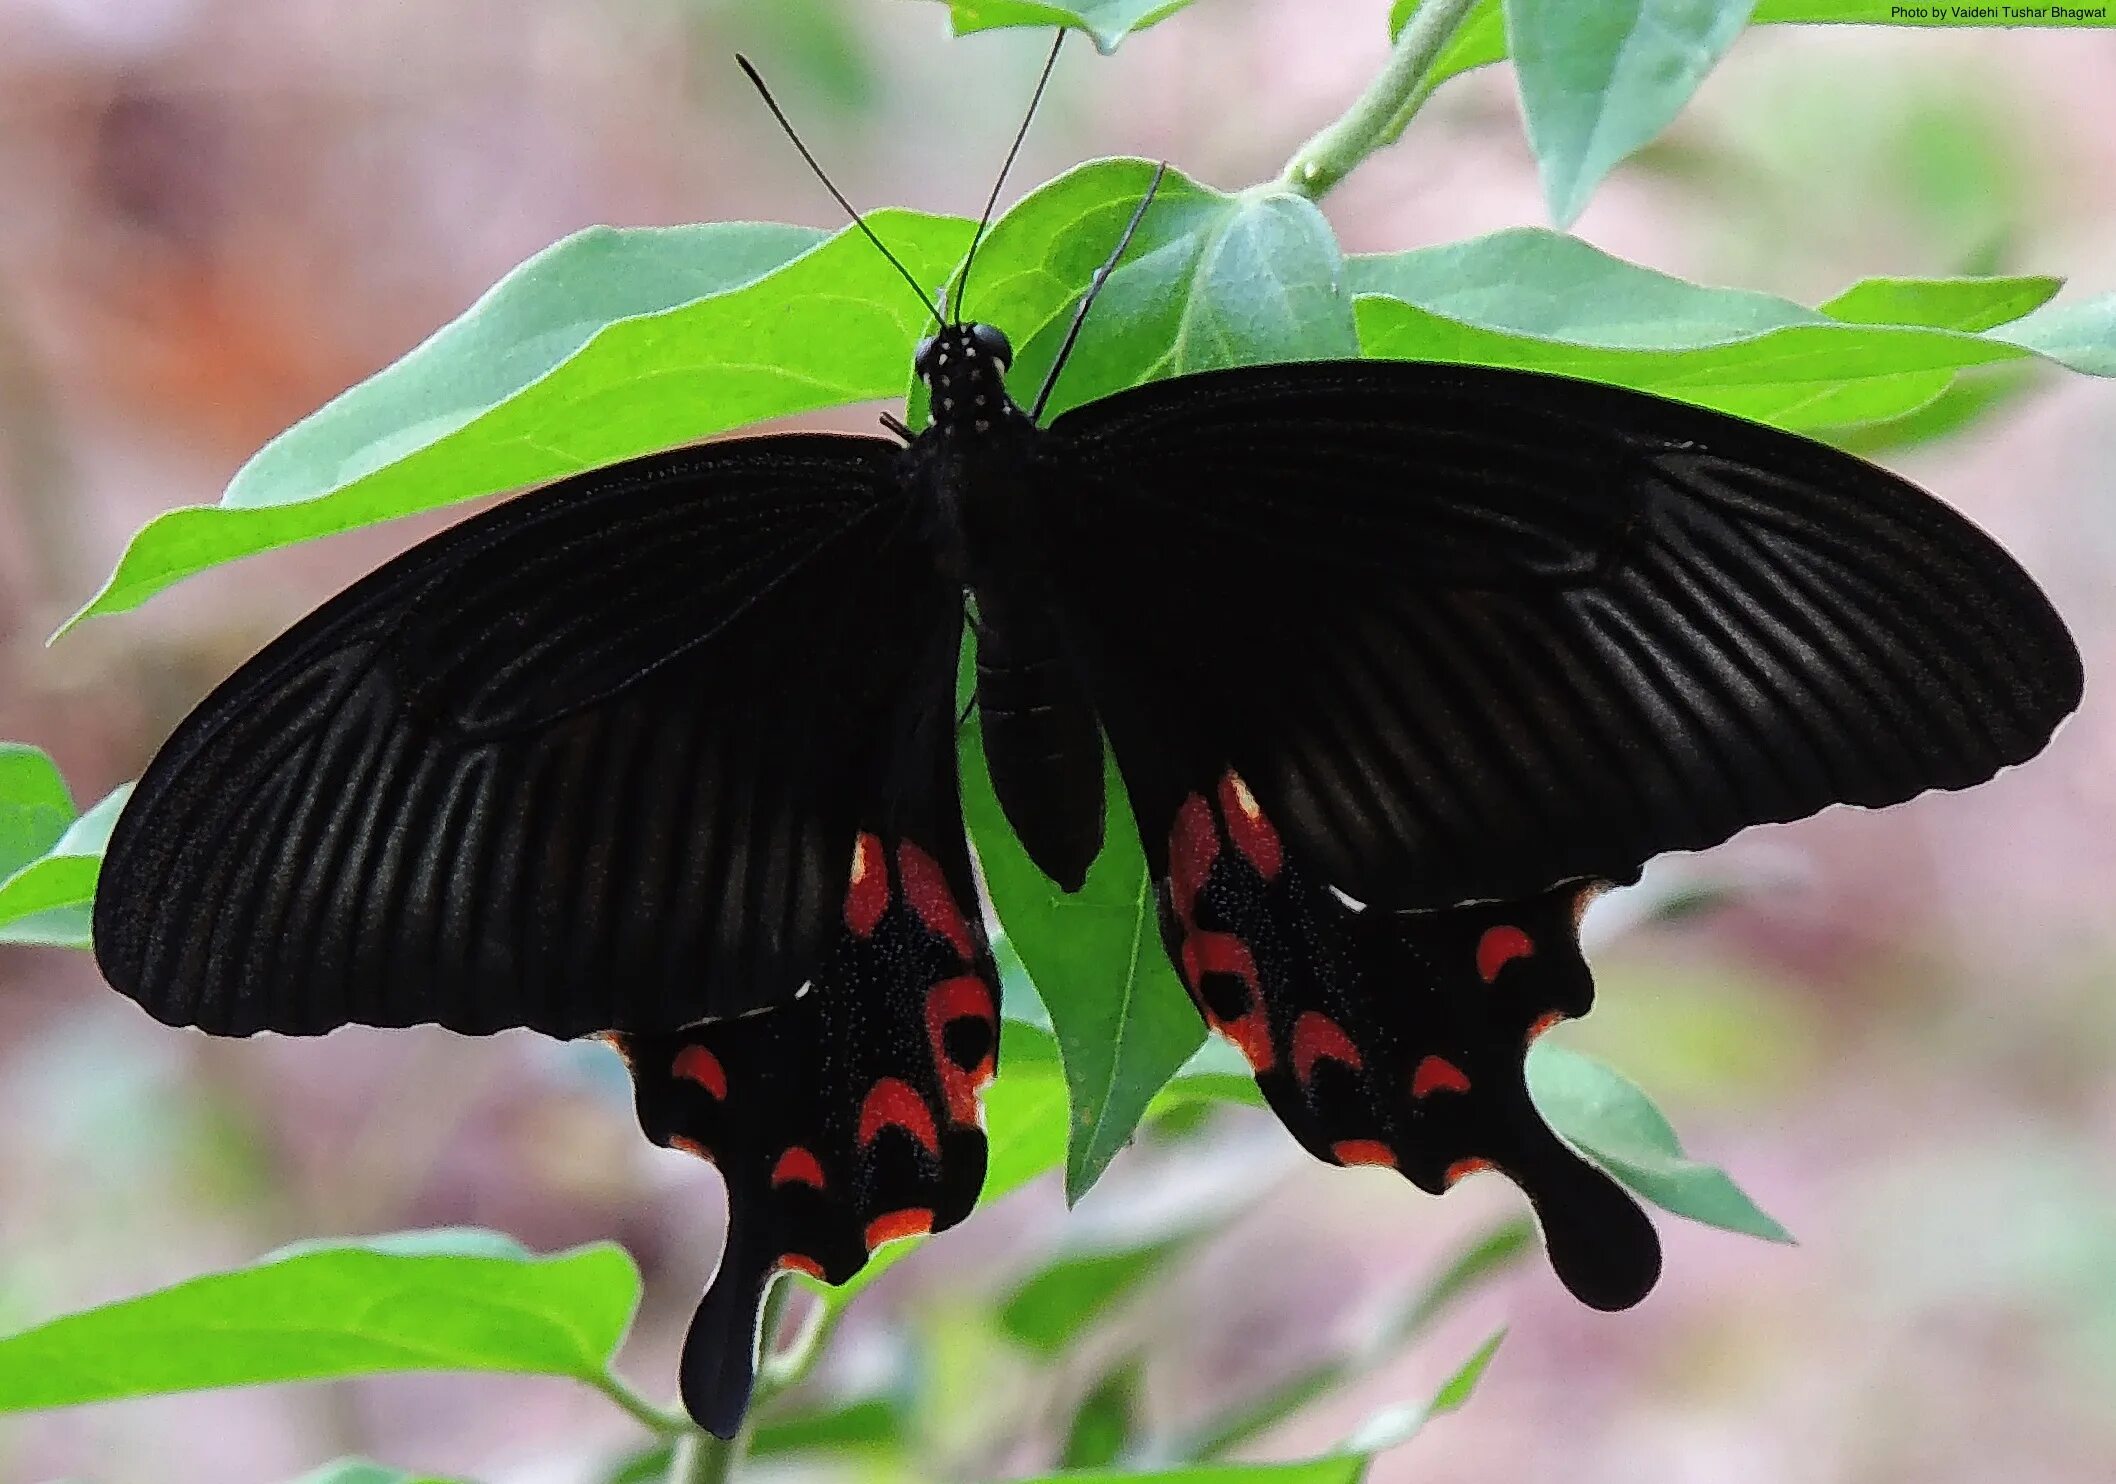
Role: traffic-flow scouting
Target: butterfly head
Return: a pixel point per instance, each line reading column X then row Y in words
column 964, row 366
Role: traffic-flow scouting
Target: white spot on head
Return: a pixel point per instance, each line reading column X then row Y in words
column 802, row 993
column 1352, row 902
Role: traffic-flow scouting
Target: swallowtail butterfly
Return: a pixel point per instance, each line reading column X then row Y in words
column 1400, row 664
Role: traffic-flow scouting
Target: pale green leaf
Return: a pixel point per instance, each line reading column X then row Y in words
column 423, row 1302
column 1614, row 1123
column 1600, row 81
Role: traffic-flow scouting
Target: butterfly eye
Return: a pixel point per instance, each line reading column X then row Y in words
column 991, row 342
column 922, row 358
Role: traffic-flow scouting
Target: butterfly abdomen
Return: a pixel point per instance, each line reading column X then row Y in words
column 1041, row 742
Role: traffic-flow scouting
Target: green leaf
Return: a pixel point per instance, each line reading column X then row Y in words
column 608, row 345
column 415, row 1303
column 1481, row 40
column 365, row 1471
column 1497, row 1250
column 1614, row 1123
column 1124, row 1023
column 1210, row 280
column 875, row 1425
column 46, row 901
column 1533, row 282
column 1546, row 301
column 1398, row 1425
column 1107, row 21
column 2081, row 336
column 1048, row 1309
column 1941, row 303
column 1599, row 81
column 35, row 805
column 1106, row 1421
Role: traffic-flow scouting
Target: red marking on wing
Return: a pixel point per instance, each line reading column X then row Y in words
column 692, row 1147
column 1251, row 1035
column 1499, row 947
column 1438, row 1074
column 1544, row 1022
column 926, row 889
column 965, row 997
column 894, row 1103
column 797, row 1167
column 1218, row 953
column 867, row 894
column 915, row 1221
column 1252, row 834
column 798, row 1262
column 1363, row 1152
column 1316, row 1036
column 696, row 1064
column 1193, row 845
column 1465, row 1167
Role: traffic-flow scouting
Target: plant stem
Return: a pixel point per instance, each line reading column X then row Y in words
column 669, row 1424
column 1377, row 118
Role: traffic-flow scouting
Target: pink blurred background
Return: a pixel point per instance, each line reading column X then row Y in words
column 214, row 214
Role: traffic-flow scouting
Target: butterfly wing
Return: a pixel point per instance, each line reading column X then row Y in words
column 1396, row 1039
column 1400, row 662
column 592, row 759
column 1468, row 633
column 850, row 1117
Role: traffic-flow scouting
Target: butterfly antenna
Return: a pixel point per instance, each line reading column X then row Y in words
column 1094, row 291
column 984, row 220
column 756, row 81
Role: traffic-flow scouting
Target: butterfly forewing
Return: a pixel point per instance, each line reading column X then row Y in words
column 1469, row 633
column 593, row 759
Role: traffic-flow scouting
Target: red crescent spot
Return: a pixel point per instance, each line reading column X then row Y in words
column 1252, row 834
column 1193, row 845
column 892, row 1103
column 796, row 1262
column 1316, row 1036
column 926, row 889
column 1363, row 1152
column 867, row 894
column 1499, row 947
column 1438, row 1074
column 1544, row 1022
column 1218, row 953
column 692, row 1147
column 914, row 1221
column 797, row 1167
column 696, row 1064
column 1463, row 1167
column 1250, row 1035
column 965, row 997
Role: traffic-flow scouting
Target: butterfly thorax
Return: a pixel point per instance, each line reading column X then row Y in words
column 969, row 460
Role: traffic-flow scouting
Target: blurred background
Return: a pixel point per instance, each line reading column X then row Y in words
column 1896, row 1030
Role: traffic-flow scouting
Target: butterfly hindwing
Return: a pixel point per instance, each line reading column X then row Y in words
column 590, row 759
column 1396, row 1039
column 1468, row 633
column 849, row 1117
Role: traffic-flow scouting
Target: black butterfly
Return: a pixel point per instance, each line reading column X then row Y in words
column 1400, row 664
